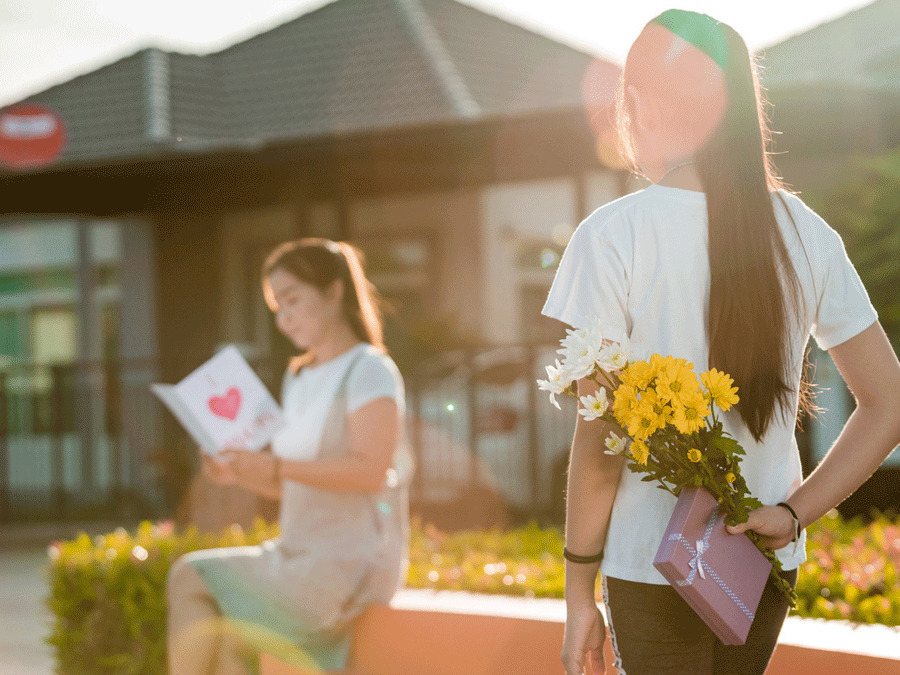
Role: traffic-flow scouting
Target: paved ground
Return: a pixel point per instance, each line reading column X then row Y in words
column 24, row 620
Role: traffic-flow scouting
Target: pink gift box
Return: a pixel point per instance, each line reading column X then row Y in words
column 720, row 575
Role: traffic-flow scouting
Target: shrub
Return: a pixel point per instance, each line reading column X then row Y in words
column 852, row 571
column 108, row 594
column 851, row 574
column 526, row 561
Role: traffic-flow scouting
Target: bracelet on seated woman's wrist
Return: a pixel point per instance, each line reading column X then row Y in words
column 581, row 559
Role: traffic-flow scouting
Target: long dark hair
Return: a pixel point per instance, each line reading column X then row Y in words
column 754, row 289
column 321, row 262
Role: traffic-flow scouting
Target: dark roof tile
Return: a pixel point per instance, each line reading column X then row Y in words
column 348, row 66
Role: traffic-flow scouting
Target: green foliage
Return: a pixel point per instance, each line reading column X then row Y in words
column 852, row 571
column 865, row 211
column 108, row 594
column 524, row 562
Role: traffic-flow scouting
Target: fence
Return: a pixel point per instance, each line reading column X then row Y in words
column 88, row 439
column 72, row 442
column 479, row 420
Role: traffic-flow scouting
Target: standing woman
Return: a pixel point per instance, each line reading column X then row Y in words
column 716, row 263
column 340, row 468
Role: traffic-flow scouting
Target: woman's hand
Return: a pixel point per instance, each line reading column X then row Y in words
column 217, row 470
column 773, row 523
column 251, row 467
column 582, row 652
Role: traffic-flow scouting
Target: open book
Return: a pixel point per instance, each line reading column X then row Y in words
column 223, row 404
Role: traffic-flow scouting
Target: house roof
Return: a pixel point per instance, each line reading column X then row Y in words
column 346, row 67
column 859, row 50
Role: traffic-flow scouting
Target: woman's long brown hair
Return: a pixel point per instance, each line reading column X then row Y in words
column 754, row 289
column 320, row 263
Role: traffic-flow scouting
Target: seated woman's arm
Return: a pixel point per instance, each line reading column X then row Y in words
column 257, row 471
column 374, row 430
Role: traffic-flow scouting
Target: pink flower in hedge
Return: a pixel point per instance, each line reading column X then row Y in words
column 54, row 550
column 164, row 529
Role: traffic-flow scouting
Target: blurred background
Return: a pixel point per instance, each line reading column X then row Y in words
column 151, row 155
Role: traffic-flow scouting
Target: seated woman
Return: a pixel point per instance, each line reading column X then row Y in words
column 340, row 468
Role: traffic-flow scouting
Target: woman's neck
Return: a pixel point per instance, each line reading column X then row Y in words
column 341, row 340
column 685, row 177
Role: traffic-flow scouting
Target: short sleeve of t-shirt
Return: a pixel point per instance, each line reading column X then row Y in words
column 591, row 282
column 374, row 376
column 844, row 309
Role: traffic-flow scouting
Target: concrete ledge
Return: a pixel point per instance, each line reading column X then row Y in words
column 833, row 647
column 449, row 633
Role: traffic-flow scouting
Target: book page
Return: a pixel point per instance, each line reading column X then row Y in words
column 168, row 395
column 229, row 402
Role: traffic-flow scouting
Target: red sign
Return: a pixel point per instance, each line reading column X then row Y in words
column 31, row 135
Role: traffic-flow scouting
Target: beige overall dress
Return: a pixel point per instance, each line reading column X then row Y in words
column 338, row 553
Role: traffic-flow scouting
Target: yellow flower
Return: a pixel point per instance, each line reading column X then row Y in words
column 657, row 362
column 720, row 388
column 638, row 374
column 640, row 452
column 657, row 407
column 694, row 455
column 646, row 417
column 624, row 401
column 676, row 381
column 688, row 419
column 639, row 425
column 696, row 399
column 730, row 478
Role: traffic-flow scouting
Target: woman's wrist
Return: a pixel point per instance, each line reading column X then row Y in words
column 582, row 559
column 276, row 468
column 798, row 528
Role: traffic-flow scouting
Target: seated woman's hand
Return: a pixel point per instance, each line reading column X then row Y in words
column 250, row 467
column 218, row 470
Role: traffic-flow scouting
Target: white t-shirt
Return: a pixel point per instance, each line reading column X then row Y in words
column 640, row 265
column 308, row 396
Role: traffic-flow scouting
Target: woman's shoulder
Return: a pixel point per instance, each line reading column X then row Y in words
column 373, row 375
column 798, row 219
column 608, row 223
column 623, row 218
column 620, row 209
column 372, row 360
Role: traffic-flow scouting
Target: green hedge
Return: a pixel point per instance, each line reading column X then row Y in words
column 108, row 594
column 852, row 571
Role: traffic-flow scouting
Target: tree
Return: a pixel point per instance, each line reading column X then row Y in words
column 865, row 210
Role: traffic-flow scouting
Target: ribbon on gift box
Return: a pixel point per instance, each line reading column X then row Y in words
column 699, row 566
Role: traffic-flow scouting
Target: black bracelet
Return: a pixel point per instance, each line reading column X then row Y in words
column 582, row 559
column 794, row 516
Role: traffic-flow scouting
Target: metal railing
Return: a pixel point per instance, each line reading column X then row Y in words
column 71, row 443
column 477, row 419
column 88, row 439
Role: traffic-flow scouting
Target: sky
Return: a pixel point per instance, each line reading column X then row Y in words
column 44, row 42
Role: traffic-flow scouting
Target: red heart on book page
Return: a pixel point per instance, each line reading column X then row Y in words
column 228, row 405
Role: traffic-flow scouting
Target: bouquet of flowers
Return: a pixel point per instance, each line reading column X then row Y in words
column 668, row 415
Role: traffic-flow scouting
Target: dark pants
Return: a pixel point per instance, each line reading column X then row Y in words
column 655, row 632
